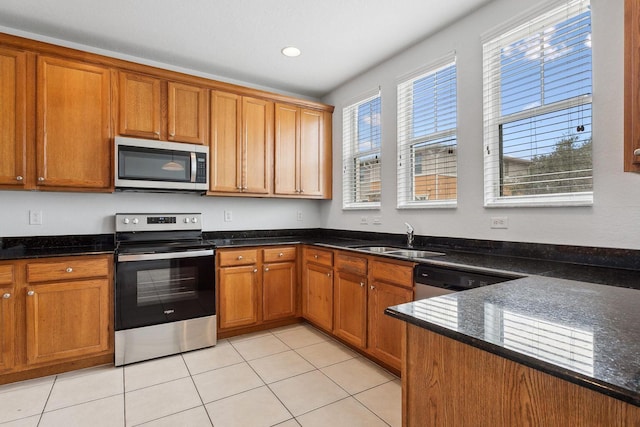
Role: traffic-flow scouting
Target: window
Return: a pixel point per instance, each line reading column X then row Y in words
column 427, row 144
column 361, row 180
column 537, row 91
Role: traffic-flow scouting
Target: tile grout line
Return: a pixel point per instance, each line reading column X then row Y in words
column 47, row 400
column 197, row 391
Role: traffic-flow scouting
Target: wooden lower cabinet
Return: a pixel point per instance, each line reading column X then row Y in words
column 238, row 296
column 317, row 295
column 56, row 314
column 385, row 333
column 279, row 290
column 350, row 308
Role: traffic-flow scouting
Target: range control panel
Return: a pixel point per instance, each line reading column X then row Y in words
column 133, row 222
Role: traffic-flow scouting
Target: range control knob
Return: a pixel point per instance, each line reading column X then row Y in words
column 126, row 220
column 187, row 220
column 194, row 220
column 135, row 220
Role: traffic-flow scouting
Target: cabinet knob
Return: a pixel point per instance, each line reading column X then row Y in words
column 255, row 270
column 172, row 134
column 315, row 256
column 328, row 274
column 372, row 287
column 362, row 284
column 636, row 152
column 266, row 269
column 156, row 133
column 238, row 188
column 40, row 178
column 6, row 296
column 69, row 270
column 244, row 188
column 280, row 254
column 240, row 257
column 30, row 293
column 19, row 178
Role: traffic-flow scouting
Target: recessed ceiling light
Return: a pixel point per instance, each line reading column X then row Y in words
column 290, row 51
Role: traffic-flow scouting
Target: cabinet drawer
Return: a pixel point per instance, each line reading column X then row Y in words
column 392, row 273
column 67, row 269
column 237, row 257
column 6, row 274
column 277, row 254
column 352, row 264
column 318, row 256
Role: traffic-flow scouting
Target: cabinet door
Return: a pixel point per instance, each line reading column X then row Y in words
column 226, row 153
column 238, row 296
column 139, row 111
column 67, row 319
column 312, row 156
column 631, row 86
column 286, row 150
column 279, row 290
column 386, row 333
column 188, row 113
column 257, row 136
column 73, row 133
column 13, row 115
column 350, row 308
column 7, row 309
column 317, row 295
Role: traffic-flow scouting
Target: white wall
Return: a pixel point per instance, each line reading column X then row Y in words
column 85, row 213
column 612, row 221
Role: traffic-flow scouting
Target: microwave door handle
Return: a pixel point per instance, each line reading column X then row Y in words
column 194, row 166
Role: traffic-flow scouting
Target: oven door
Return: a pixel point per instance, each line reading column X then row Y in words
column 164, row 287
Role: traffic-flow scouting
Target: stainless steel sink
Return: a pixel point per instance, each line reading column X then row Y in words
column 405, row 253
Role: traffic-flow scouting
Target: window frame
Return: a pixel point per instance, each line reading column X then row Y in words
column 542, row 18
column 350, row 153
column 406, row 143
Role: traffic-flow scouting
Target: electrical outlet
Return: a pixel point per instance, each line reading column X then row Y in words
column 228, row 216
column 364, row 220
column 499, row 222
column 299, row 216
column 377, row 220
column 35, row 217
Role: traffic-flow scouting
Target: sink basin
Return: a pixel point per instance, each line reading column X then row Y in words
column 411, row 253
column 406, row 253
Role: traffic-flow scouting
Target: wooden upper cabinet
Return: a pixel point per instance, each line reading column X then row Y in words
column 143, row 99
column 632, row 86
column 13, row 116
column 139, row 106
column 188, row 113
column 302, row 152
column 241, row 135
column 73, row 144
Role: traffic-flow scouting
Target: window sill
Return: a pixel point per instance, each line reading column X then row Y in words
column 562, row 200
column 430, row 205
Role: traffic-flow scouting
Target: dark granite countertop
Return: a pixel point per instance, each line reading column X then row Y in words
column 585, row 333
column 51, row 246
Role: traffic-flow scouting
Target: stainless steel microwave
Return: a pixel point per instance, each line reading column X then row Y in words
column 150, row 165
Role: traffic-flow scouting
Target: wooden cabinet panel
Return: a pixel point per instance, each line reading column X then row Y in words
column 386, row 333
column 257, row 127
column 139, row 112
column 631, row 86
column 226, row 149
column 317, row 295
column 318, row 256
column 13, row 117
column 74, row 130
column 279, row 254
column 235, row 257
column 286, row 150
column 350, row 308
column 67, row 320
column 313, row 166
column 68, row 269
column 392, row 273
column 188, row 113
column 238, row 296
column 279, row 290
column 351, row 263
column 7, row 315
column 7, row 274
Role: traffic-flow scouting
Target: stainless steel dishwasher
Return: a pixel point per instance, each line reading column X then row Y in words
column 432, row 281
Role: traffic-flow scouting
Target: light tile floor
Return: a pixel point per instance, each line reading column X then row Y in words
column 286, row 377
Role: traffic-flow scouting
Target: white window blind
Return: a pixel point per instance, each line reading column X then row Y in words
column 427, row 142
column 537, row 110
column 361, row 141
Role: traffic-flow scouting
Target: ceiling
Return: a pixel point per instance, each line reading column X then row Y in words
column 240, row 40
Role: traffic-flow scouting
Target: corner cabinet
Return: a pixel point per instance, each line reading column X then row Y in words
column 302, row 152
column 73, row 144
column 632, row 86
column 241, row 143
column 153, row 108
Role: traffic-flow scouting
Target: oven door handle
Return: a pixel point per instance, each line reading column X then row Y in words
column 170, row 255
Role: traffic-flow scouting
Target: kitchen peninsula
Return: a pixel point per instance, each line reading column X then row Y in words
column 533, row 351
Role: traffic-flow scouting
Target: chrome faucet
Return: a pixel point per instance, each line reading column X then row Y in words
column 409, row 234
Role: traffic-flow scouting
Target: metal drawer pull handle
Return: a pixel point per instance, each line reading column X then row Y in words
column 69, row 270
column 6, row 296
column 30, row 293
column 240, row 257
